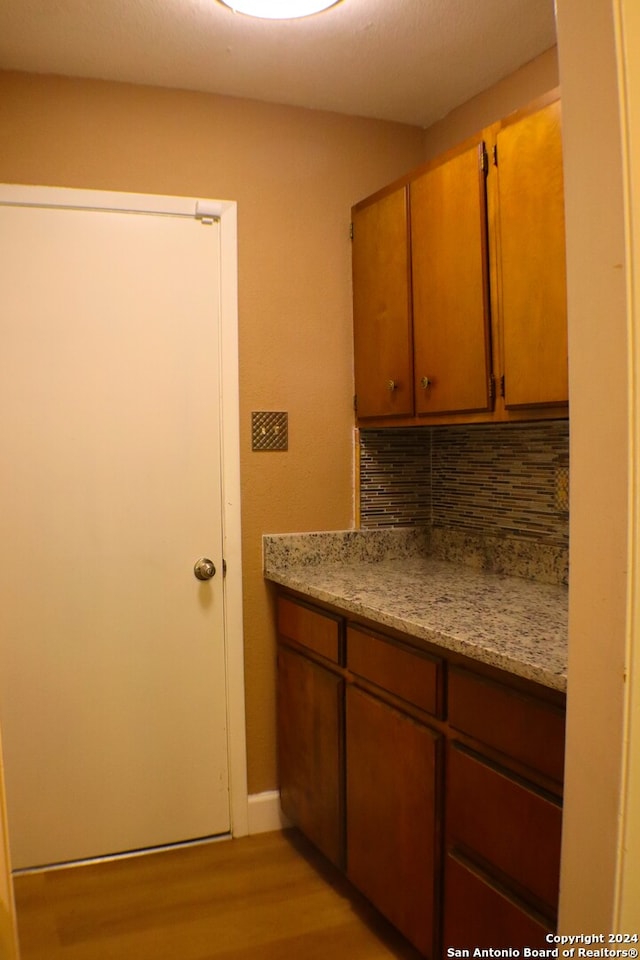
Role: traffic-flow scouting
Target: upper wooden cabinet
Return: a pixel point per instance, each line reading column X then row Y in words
column 532, row 268
column 382, row 307
column 451, row 318
column 459, row 282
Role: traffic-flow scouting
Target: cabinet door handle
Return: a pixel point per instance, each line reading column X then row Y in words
column 392, row 385
column 425, row 382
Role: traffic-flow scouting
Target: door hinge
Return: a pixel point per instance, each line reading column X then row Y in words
column 483, row 159
column 207, row 213
column 224, row 567
column 492, row 388
column 494, row 154
column 502, row 385
column 351, row 231
column 355, row 402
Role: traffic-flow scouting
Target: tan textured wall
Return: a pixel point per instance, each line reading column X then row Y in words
column 527, row 83
column 295, row 174
column 629, row 12
column 598, row 345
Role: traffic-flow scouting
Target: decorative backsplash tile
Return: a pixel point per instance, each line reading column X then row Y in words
column 507, row 480
column 395, row 477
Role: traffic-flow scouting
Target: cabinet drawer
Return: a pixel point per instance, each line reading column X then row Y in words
column 478, row 914
column 507, row 825
column 315, row 630
column 410, row 675
column 520, row 726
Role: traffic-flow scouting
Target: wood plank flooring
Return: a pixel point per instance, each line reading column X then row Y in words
column 267, row 897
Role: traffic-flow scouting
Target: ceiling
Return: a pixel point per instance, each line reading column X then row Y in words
column 406, row 60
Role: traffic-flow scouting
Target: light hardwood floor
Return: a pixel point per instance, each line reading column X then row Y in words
column 267, row 897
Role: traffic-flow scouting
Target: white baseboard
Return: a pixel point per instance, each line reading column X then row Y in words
column 264, row 812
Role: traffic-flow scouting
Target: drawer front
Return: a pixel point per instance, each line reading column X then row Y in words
column 412, row 676
column 315, row 630
column 524, row 728
column 506, row 824
column 477, row 914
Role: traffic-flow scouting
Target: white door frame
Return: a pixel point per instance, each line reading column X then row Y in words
column 226, row 212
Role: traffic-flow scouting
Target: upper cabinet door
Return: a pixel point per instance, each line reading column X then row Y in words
column 382, row 307
column 451, row 319
column 532, row 267
column 459, row 282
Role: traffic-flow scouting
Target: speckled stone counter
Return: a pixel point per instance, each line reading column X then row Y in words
column 515, row 624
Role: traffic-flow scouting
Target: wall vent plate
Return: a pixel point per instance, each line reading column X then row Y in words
column 269, row 430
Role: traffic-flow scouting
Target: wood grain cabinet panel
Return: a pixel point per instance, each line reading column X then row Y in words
column 310, row 750
column 319, row 632
column 480, row 914
column 532, row 290
column 411, row 675
column 383, row 345
column 450, row 277
column 524, row 728
column 505, row 824
column 392, row 845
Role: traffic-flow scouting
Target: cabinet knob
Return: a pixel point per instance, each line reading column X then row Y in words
column 392, row 385
column 425, row 382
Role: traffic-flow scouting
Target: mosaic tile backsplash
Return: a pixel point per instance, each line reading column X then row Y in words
column 507, row 480
column 395, row 477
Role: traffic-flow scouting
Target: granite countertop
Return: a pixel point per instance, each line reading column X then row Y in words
column 516, row 624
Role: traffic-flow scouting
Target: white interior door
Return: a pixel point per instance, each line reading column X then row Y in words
column 112, row 679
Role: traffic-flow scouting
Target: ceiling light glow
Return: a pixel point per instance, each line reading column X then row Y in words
column 279, row 9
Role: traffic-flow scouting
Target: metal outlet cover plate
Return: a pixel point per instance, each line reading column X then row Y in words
column 269, row 430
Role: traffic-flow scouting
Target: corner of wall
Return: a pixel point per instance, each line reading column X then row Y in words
column 519, row 88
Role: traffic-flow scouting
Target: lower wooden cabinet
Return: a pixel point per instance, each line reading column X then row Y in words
column 510, row 831
column 393, row 774
column 480, row 914
column 310, row 711
column 435, row 783
column 521, row 727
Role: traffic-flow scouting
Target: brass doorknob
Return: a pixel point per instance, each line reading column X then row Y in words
column 204, row 569
column 392, row 385
column 425, row 382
